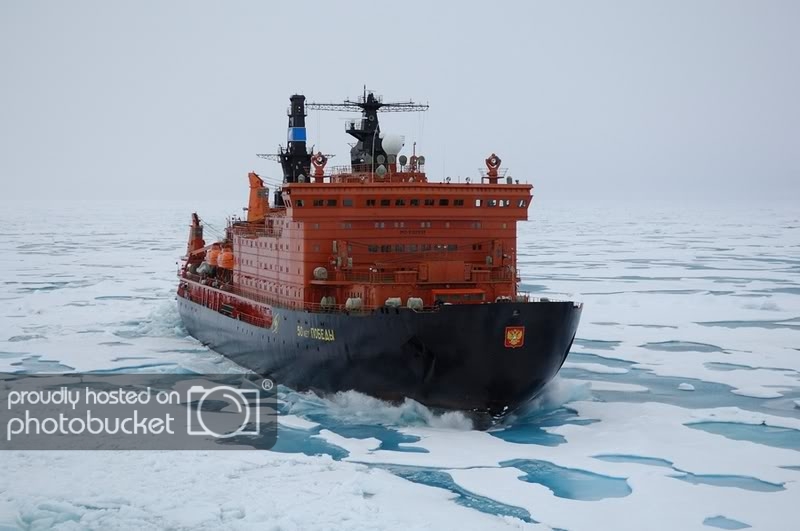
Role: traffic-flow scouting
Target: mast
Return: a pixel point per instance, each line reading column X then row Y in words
column 368, row 152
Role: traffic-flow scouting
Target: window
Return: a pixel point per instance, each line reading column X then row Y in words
column 429, row 202
column 522, row 203
column 415, row 202
column 372, row 248
column 386, row 248
column 492, row 202
column 347, row 225
column 399, row 248
column 298, row 203
column 478, row 202
column 318, row 202
column 458, row 202
column 399, row 202
column 348, row 202
column 370, row 202
column 386, row 202
column 331, row 202
column 476, row 224
column 425, row 224
column 444, row 202
column 452, row 247
column 412, row 247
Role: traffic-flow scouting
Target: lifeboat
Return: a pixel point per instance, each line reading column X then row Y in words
column 213, row 255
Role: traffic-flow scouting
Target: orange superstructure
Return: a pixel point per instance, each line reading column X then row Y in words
column 356, row 237
column 372, row 233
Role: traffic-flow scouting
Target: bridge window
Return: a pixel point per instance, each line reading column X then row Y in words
column 412, row 247
column 444, row 202
column 399, row 202
column 415, row 202
column 331, row 202
column 386, row 202
column 372, row 248
column 348, row 202
column 429, row 202
column 386, row 248
column 492, row 202
column 452, row 247
column 522, row 203
column 458, row 202
column 318, row 202
column 478, row 202
column 399, row 248
column 298, row 203
column 370, row 202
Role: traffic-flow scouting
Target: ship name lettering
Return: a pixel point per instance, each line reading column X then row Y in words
column 320, row 334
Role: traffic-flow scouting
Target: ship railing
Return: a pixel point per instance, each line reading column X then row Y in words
column 351, row 175
column 502, row 173
column 393, row 277
column 313, row 307
column 259, row 231
column 525, row 296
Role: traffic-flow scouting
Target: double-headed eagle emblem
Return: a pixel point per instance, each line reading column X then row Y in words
column 515, row 336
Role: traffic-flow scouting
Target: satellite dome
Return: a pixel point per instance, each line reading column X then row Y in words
column 392, row 144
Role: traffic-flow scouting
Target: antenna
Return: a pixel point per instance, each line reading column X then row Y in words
column 370, row 147
column 369, row 102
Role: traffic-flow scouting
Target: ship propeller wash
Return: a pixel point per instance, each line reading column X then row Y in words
column 372, row 278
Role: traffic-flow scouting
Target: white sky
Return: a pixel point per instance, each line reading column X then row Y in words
column 627, row 99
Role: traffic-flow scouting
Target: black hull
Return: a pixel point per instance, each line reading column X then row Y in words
column 456, row 358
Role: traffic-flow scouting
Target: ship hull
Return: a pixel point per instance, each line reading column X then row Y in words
column 484, row 358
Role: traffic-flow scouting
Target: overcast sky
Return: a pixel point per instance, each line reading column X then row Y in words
column 595, row 99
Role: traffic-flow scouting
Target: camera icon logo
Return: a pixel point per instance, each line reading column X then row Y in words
column 228, row 411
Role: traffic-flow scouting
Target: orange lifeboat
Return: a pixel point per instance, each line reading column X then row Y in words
column 225, row 260
column 213, row 255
